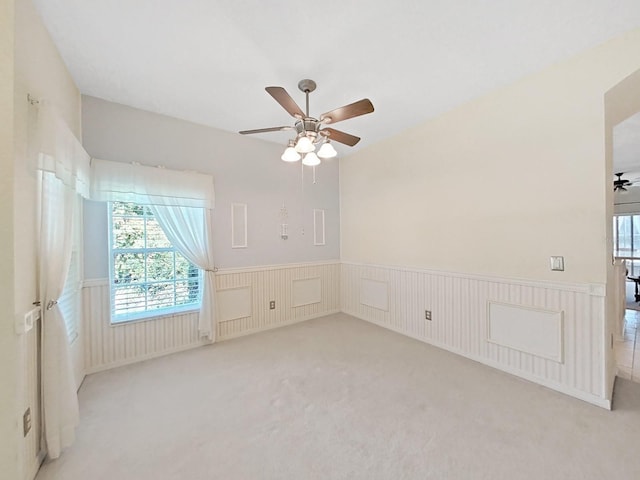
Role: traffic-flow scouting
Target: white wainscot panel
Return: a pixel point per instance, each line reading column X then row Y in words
column 374, row 294
column 234, row 303
column 564, row 351
column 243, row 297
column 529, row 330
column 306, row 291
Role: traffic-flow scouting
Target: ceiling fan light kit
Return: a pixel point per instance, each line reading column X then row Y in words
column 311, row 160
column 310, row 131
column 327, row 150
column 290, row 154
column 304, row 145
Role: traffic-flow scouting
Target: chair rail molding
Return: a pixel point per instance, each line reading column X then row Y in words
column 567, row 320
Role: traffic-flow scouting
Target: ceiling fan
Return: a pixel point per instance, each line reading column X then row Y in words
column 621, row 184
column 311, row 131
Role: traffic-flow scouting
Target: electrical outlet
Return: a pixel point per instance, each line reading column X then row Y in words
column 427, row 315
column 272, row 305
column 26, row 421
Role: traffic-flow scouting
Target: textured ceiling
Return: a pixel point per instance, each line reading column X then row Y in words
column 208, row 61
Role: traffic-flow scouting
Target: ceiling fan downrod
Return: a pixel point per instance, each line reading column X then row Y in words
column 307, row 86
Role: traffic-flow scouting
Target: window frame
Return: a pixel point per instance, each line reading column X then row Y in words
column 146, row 314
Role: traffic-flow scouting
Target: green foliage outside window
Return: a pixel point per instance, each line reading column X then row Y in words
column 147, row 272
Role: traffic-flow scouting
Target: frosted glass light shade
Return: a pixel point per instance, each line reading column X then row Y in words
column 290, row 155
column 327, row 151
column 305, row 145
column 311, row 160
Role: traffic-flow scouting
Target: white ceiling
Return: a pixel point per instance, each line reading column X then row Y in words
column 208, row 61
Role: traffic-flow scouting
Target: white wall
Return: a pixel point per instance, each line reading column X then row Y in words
column 491, row 190
column 498, row 185
column 39, row 71
column 245, row 170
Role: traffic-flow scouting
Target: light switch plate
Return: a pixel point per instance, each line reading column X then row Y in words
column 557, row 263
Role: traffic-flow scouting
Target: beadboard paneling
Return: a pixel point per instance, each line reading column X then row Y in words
column 108, row 346
column 459, row 306
column 277, row 283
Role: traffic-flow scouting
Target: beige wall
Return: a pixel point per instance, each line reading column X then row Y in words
column 39, row 71
column 8, row 342
column 497, row 185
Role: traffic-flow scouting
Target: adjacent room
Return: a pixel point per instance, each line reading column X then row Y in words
column 275, row 240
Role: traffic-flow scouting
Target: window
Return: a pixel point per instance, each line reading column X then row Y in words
column 148, row 276
column 626, row 241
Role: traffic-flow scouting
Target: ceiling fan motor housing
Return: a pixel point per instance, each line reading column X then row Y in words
column 308, row 127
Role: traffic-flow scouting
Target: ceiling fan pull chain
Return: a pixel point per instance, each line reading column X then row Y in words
column 314, row 174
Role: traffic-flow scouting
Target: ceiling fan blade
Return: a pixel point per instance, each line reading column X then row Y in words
column 361, row 107
column 340, row 137
column 263, row 130
column 283, row 98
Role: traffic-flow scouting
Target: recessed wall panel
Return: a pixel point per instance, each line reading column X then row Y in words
column 306, row 291
column 238, row 225
column 529, row 330
column 318, row 227
column 374, row 294
column 234, row 303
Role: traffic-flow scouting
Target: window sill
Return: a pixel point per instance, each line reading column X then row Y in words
column 150, row 317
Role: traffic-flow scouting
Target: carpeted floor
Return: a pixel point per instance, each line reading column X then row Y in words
column 338, row 398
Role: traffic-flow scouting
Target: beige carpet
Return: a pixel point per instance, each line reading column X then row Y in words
column 338, row 398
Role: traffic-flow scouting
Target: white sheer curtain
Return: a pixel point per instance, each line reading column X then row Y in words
column 60, row 401
column 189, row 230
column 63, row 173
column 127, row 182
column 182, row 203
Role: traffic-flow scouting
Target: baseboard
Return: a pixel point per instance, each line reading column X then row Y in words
column 191, row 346
column 579, row 394
column 35, row 466
column 278, row 325
column 142, row 358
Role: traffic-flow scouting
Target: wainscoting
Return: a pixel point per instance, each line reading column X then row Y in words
column 300, row 292
column 563, row 347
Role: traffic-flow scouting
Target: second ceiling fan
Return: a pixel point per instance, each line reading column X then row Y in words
column 311, row 131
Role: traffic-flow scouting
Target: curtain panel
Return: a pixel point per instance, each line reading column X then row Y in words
column 189, row 230
column 63, row 173
column 127, row 182
column 60, row 152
